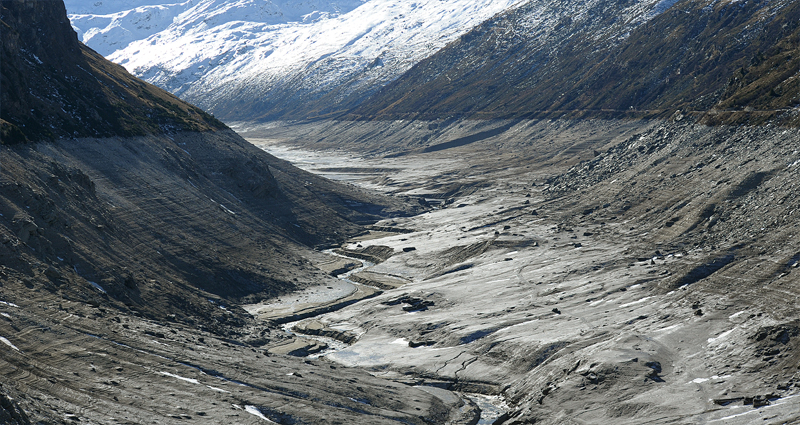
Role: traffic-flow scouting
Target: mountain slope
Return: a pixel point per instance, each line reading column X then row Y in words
column 187, row 211
column 246, row 60
column 59, row 88
column 123, row 259
column 599, row 59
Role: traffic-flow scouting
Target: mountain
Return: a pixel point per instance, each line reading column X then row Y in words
column 110, row 181
column 720, row 61
column 247, row 59
column 728, row 61
column 57, row 88
column 132, row 227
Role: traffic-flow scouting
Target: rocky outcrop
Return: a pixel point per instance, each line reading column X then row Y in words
column 10, row 412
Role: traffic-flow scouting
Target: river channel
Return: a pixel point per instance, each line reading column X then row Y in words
column 491, row 407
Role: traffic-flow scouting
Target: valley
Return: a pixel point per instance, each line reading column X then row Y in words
column 557, row 271
column 568, row 307
column 432, row 212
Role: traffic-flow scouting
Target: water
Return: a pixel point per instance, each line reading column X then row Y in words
column 491, row 407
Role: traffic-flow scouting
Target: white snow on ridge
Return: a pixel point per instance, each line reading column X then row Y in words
column 234, row 52
column 112, row 26
column 107, row 33
column 253, row 410
column 244, row 46
column 662, row 6
column 7, row 342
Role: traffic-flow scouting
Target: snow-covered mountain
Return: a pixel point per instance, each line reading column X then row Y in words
column 251, row 59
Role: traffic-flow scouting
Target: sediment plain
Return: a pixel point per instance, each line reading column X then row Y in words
column 602, row 271
column 560, row 272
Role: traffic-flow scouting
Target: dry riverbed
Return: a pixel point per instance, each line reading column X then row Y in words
column 547, row 313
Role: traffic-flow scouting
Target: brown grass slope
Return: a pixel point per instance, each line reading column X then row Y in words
column 55, row 87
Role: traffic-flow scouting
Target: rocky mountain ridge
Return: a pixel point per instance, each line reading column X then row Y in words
column 722, row 62
column 54, row 87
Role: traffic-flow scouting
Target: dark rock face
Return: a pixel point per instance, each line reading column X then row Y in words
column 55, row 87
column 10, row 412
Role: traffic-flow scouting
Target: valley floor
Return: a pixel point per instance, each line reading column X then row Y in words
column 565, row 272
column 569, row 293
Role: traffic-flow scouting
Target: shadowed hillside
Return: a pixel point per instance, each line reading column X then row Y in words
column 157, row 223
column 132, row 226
column 735, row 61
column 55, row 87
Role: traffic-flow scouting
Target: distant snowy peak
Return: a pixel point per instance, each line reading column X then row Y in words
column 107, row 33
column 110, row 26
column 260, row 59
column 253, row 58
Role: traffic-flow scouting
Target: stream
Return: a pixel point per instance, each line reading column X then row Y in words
column 491, row 407
column 333, row 166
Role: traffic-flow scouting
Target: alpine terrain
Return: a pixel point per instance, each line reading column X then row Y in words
column 508, row 212
column 254, row 59
column 133, row 228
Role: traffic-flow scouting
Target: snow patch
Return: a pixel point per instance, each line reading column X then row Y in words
column 172, row 375
column 669, row 328
column 7, row 342
column 98, row 287
column 735, row 315
column 635, row 302
column 253, row 410
column 662, row 7
column 720, row 337
column 701, row 380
